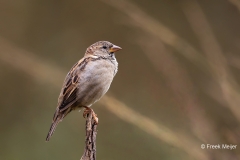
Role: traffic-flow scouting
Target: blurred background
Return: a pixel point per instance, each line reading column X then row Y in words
column 177, row 86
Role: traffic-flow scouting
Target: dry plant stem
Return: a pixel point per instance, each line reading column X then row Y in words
column 236, row 3
column 214, row 53
column 90, row 141
column 154, row 27
column 182, row 87
column 216, row 59
column 155, row 129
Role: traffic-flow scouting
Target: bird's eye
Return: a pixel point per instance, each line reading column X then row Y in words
column 104, row 47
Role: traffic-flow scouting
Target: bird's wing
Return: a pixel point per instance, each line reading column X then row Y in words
column 68, row 95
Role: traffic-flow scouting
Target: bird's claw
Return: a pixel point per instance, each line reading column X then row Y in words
column 88, row 111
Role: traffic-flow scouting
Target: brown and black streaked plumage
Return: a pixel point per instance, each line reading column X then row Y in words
column 87, row 81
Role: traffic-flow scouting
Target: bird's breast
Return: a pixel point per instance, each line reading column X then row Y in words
column 95, row 80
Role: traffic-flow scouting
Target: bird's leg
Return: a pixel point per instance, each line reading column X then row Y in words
column 89, row 110
column 86, row 112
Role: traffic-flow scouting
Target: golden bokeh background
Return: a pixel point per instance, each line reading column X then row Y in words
column 177, row 85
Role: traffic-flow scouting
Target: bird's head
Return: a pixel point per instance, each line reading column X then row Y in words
column 102, row 48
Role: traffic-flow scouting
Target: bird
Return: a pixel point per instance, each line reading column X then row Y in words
column 87, row 81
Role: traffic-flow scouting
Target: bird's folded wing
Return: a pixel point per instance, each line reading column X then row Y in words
column 68, row 95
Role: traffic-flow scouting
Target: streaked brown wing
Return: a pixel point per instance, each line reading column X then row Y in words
column 68, row 95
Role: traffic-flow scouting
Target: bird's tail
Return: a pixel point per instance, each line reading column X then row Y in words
column 56, row 119
column 52, row 129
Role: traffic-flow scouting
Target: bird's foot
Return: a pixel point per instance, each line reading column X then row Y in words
column 88, row 111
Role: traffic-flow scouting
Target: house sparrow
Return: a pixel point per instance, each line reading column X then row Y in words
column 87, row 81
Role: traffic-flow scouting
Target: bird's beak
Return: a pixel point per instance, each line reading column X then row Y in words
column 115, row 48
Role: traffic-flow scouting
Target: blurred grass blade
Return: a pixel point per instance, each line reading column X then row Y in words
column 156, row 28
column 215, row 57
column 154, row 129
column 236, row 3
column 180, row 83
